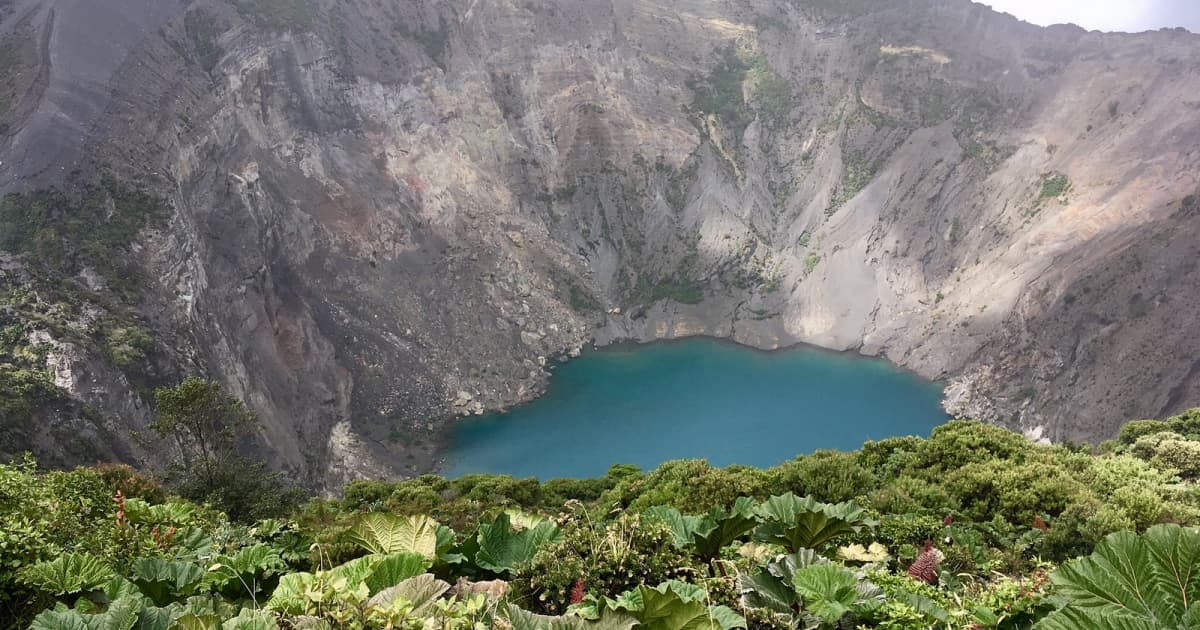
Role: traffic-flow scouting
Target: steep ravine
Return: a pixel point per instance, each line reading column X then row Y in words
column 387, row 214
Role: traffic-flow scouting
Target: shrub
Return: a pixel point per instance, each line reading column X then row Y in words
column 1135, row 429
column 1054, row 186
column 692, row 486
column 1178, row 455
column 129, row 482
column 605, row 558
column 905, row 495
column 961, row 442
column 888, row 458
column 829, row 476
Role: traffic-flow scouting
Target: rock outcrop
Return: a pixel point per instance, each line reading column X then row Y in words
column 387, row 214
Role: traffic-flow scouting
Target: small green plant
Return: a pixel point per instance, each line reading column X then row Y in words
column 1054, row 186
column 1114, row 108
column 811, row 262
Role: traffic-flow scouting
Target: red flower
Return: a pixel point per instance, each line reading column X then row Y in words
column 925, row 568
column 577, row 591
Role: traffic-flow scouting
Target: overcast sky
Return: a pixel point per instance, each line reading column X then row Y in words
column 1105, row 15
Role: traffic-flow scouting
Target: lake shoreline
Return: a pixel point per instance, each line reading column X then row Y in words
column 628, row 347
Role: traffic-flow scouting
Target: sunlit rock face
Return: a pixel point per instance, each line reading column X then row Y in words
column 379, row 207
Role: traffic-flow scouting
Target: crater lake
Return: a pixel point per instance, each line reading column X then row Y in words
column 696, row 398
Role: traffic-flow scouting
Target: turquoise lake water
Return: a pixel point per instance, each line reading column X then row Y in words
column 696, row 398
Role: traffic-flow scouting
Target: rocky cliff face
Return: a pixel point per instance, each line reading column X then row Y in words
column 386, row 214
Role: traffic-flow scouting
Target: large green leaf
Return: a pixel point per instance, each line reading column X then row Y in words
column 164, row 581
column 250, row 619
column 923, row 605
column 289, row 594
column 59, row 620
column 679, row 606
column 421, row 591
column 710, row 533
column 357, row 570
column 395, row 568
column 191, row 542
column 193, row 621
column 797, row 523
column 721, row 527
column 763, row 590
column 827, row 590
column 501, row 548
column 121, row 615
column 444, row 549
column 1154, row 578
column 772, row 587
column 239, row 575
column 173, row 513
column 68, row 573
column 154, row 618
column 525, row 620
column 384, row 533
column 1079, row 619
column 682, row 526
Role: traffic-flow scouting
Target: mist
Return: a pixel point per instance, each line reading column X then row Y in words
column 1106, row 15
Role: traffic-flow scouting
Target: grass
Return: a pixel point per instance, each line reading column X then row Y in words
column 811, row 262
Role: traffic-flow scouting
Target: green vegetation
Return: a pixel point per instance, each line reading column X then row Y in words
column 65, row 244
column 722, row 92
column 857, row 174
column 681, row 290
column 284, row 15
column 771, row 94
column 204, row 425
column 64, row 233
column 1114, row 108
column 581, row 300
column 682, row 286
column 1054, row 187
column 811, row 262
column 828, row 540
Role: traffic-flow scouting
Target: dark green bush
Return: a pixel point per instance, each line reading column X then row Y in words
column 830, row 476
